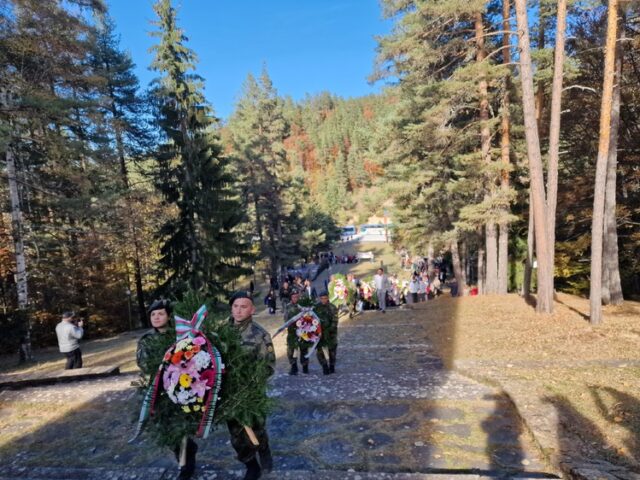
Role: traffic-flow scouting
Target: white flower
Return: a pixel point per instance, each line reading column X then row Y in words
column 183, row 344
column 185, row 397
column 202, row 360
column 171, row 394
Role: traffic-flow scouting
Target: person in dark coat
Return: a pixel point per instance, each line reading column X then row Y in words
column 328, row 314
column 257, row 342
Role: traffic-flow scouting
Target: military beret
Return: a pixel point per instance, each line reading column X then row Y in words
column 240, row 294
column 295, row 291
column 159, row 304
column 323, row 293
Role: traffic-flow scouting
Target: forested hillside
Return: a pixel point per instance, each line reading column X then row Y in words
column 116, row 193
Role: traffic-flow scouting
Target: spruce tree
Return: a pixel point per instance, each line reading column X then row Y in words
column 258, row 129
column 200, row 244
column 126, row 134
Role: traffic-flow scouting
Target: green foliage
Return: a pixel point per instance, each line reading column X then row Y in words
column 351, row 290
column 200, row 246
column 243, row 396
column 270, row 192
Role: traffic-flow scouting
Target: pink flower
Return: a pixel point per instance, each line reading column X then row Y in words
column 199, row 388
column 172, row 373
column 199, row 341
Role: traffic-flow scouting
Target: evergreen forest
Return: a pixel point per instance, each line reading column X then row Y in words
column 506, row 139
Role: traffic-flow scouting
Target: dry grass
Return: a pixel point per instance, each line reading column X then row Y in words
column 588, row 374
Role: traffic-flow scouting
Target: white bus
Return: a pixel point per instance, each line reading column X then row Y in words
column 347, row 232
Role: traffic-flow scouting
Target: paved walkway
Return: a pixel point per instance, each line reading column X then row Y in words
column 391, row 411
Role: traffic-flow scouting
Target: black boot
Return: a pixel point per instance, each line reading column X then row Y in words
column 266, row 460
column 332, row 368
column 187, row 471
column 325, row 369
column 253, row 470
column 305, row 368
column 294, row 369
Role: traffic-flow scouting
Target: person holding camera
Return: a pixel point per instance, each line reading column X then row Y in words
column 69, row 332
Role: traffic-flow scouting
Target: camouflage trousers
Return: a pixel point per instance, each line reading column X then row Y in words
column 246, row 450
column 332, row 355
column 291, row 352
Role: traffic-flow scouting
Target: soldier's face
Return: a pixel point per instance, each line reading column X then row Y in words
column 159, row 319
column 242, row 309
column 324, row 299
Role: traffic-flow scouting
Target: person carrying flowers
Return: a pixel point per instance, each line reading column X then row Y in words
column 328, row 314
column 256, row 341
column 184, row 399
column 293, row 309
column 159, row 317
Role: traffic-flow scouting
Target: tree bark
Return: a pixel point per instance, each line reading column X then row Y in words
column 17, row 232
column 491, row 241
column 505, row 154
column 611, row 284
column 597, row 226
column 554, row 132
column 458, row 270
column 528, row 264
column 544, row 303
column 539, row 102
column 481, row 271
column 22, row 285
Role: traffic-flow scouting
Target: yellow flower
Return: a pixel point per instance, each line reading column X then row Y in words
column 199, row 400
column 196, row 408
column 185, row 380
column 186, row 409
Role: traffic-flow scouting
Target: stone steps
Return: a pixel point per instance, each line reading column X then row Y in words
column 20, row 380
column 131, row 473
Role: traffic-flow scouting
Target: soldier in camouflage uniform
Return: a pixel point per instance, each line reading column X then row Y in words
column 328, row 314
column 292, row 339
column 257, row 341
column 159, row 316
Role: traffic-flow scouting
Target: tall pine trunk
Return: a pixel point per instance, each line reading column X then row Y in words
column 458, row 268
column 491, row 239
column 481, row 271
column 133, row 231
column 528, row 263
column 539, row 106
column 611, row 285
column 554, row 132
column 18, row 245
column 544, row 303
column 505, row 154
column 597, row 226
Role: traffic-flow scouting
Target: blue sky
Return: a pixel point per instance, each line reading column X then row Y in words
column 309, row 46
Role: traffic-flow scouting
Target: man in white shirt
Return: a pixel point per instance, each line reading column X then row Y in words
column 414, row 287
column 380, row 282
column 69, row 333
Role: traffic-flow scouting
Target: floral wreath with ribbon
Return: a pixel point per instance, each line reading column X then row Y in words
column 308, row 328
column 190, row 376
column 341, row 290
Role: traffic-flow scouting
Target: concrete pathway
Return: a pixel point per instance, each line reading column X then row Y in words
column 391, row 411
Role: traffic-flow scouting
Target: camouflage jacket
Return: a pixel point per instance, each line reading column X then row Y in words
column 328, row 315
column 144, row 349
column 256, row 341
column 292, row 310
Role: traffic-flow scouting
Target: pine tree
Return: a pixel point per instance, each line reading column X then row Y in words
column 200, row 243
column 597, row 228
column 126, row 133
column 258, row 130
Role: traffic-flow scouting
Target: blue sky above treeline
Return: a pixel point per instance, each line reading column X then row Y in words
column 309, row 46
